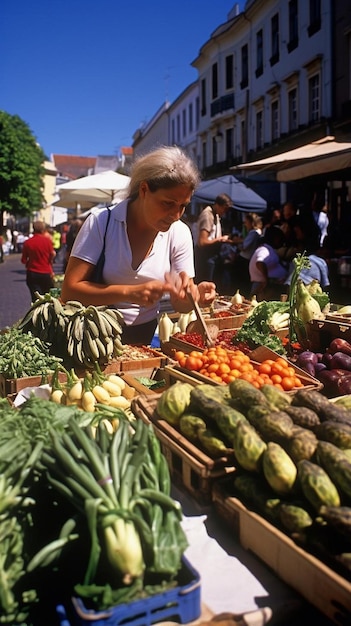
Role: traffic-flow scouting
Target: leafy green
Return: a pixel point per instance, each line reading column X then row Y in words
column 256, row 330
column 322, row 299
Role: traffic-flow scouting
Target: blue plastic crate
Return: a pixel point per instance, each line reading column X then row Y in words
column 181, row 604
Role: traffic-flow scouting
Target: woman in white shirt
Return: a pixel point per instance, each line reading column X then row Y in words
column 148, row 251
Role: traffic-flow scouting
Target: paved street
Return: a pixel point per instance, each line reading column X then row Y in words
column 14, row 293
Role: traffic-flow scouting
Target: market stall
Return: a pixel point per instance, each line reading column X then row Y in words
column 221, row 506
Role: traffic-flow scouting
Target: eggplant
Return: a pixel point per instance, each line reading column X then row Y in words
column 307, row 361
column 340, row 360
column 326, row 358
column 331, row 380
column 340, row 345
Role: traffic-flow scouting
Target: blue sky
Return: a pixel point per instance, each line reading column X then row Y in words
column 86, row 74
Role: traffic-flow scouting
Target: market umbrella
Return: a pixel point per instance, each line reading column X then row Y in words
column 243, row 198
column 98, row 188
column 318, row 157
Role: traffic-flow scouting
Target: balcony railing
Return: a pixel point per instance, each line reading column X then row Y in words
column 222, row 104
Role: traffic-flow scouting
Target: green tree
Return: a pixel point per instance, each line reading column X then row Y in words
column 21, row 168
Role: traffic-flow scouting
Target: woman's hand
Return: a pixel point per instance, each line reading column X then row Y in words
column 207, row 293
column 147, row 294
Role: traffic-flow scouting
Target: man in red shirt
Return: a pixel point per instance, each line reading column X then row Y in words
column 37, row 255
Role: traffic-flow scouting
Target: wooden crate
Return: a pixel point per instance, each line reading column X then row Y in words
column 316, row 582
column 153, row 359
column 320, row 333
column 189, row 466
column 175, row 372
column 10, row 386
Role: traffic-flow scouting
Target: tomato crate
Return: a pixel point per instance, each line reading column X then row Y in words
column 175, row 373
column 189, row 466
column 180, row 604
column 318, row 583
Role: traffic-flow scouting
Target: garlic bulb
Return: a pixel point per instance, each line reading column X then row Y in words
column 237, row 298
column 253, row 301
column 192, row 316
column 165, row 326
column 183, row 321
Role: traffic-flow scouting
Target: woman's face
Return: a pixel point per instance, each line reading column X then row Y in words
column 163, row 207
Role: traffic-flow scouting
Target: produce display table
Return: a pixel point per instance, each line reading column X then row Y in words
column 233, row 580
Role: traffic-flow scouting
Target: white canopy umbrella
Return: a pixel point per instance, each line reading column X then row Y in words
column 98, row 188
column 318, row 157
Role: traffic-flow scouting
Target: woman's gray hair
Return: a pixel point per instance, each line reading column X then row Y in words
column 165, row 167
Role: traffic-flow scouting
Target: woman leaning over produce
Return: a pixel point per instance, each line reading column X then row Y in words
column 149, row 250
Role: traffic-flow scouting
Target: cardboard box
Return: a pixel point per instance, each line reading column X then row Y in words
column 316, row 582
column 189, row 466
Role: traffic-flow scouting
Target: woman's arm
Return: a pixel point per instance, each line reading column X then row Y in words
column 76, row 286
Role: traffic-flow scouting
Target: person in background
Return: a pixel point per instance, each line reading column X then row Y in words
column 210, row 238
column 149, row 249
column 56, row 242
column 292, row 228
column 38, row 255
column 273, row 217
column 267, row 274
column 71, row 235
column 308, row 241
column 246, row 246
column 1, row 249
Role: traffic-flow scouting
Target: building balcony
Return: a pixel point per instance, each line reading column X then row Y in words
column 222, row 104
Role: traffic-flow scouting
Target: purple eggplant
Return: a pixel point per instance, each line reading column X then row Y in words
column 340, row 360
column 332, row 379
column 340, row 345
column 307, row 361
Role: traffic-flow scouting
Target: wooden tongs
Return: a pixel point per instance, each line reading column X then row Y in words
column 205, row 331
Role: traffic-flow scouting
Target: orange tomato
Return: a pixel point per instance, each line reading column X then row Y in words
column 276, row 379
column 179, row 355
column 192, row 363
column 288, row 383
column 265, row 368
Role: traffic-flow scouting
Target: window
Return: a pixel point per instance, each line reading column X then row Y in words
column 292, row 104
column 197, row 113
column 314, row 98
column 259, row 130
column 214, row 81
column 275, row 120
column 244, row 66
column 243, row 139
column 173, row 140
column 315, row 17
column 259, row 53
column 229, row 72
column 204, row 155
column 184, row 122
column 214, row 151
column 191, row 125
column 178, row 128
column 293, row 26
column 229, row 143
column 203, row 97
column 274, row 39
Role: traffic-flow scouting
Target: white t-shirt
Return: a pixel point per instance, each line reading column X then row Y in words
column 172, row 250
column 210, row 221
column 266, row 254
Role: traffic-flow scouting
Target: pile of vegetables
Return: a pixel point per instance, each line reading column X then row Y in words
column 291, row 453
column 332, row 367
column 23, row 354
column 262, row 322
column 84, row 509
